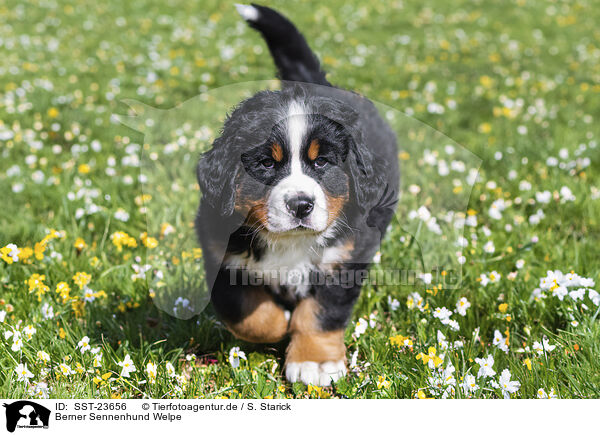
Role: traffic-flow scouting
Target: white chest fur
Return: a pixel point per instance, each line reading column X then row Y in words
column 289, row 262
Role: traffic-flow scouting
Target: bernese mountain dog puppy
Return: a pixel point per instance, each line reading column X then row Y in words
column 297, row 192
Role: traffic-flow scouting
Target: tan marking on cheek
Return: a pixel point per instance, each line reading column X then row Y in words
column 313, row 150
column 335, row 205
column 255, row 210
column 263, row 322
column 308, row 342
column 276, row 152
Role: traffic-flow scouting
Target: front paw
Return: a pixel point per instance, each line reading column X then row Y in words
column 314, row 373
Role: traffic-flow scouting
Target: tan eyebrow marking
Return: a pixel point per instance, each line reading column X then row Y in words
column 277, row 152
column 313, row 149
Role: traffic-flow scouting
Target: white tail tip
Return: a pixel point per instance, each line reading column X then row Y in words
column 248, row 12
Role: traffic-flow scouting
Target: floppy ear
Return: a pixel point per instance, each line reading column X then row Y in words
column 366, row 177
column 217, row 172
column 367, row 181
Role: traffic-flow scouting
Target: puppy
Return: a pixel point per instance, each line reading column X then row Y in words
column 297, row 192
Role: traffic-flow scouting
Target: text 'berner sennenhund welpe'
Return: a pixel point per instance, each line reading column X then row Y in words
column 296, row 194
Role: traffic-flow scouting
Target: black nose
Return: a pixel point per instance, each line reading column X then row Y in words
column 300, row 206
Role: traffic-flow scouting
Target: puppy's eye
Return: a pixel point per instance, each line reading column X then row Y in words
column 321, row 162
column 268, row 163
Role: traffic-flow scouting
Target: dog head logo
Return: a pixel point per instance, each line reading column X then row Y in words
column 26, row 414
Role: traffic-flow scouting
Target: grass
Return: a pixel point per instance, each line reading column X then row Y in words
column 517, row 84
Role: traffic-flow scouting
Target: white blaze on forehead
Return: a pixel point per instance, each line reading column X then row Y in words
column 296, row 131
column 297, row 182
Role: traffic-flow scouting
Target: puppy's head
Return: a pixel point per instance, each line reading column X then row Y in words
column 289, row 164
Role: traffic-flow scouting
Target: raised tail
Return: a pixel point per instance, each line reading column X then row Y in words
column 293, row 57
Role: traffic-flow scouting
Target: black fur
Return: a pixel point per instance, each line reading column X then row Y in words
column 368, row 160
column 293, row 57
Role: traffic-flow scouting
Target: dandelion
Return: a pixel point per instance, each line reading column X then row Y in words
column 235, row 354
column 462, row 305
column 23, row 373
column 508, row 387
column 485, row 367
column 127, row 366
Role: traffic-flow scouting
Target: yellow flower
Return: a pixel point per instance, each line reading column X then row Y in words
column 141, row 199
column 39, row 249
column 25, row 254
column 166, row 229
column 84, row 168
column 421, row 395
column 63, row 289
column 78, row 307
column 382, row 382
column 82, row 279
column 431, row 358
column 61, row 333
column 318, row 392
column 401, row 341
column 149, row 242
column 485, row 127
column 36, row 284
column 503, row 308
column 80, row 244
column 527, row 362
column 120, row 239
column 53, row 112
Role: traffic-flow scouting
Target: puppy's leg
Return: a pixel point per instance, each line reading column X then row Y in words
column 261, row 319
column 314, row 356
column 249, row 312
